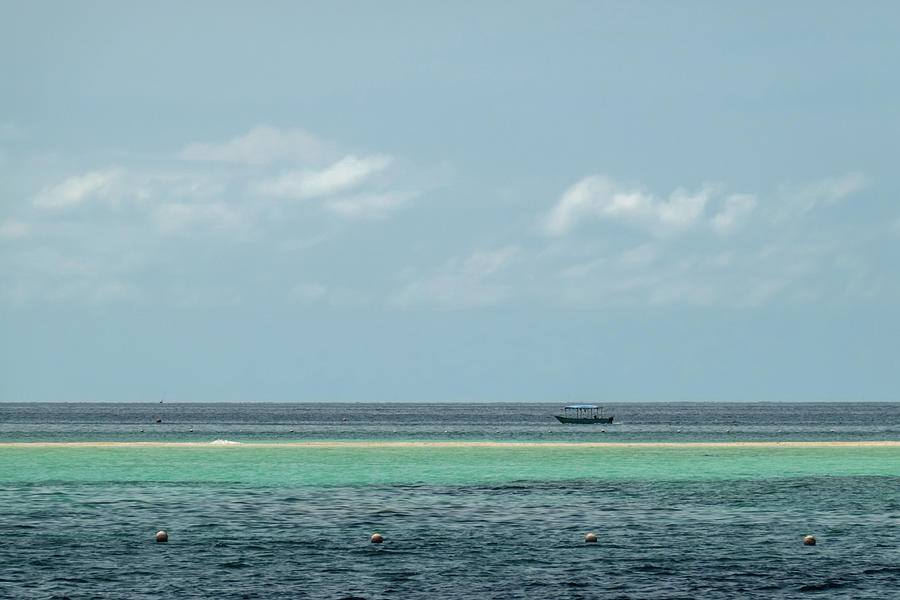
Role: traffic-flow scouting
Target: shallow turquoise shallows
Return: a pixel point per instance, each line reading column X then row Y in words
column 291, row 466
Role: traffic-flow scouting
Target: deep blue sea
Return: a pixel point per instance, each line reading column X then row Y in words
column 644, row 422
column 687, row 500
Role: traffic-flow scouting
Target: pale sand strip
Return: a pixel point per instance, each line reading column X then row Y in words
column 425, row 444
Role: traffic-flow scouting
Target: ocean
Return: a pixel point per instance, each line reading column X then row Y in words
column 687, row 500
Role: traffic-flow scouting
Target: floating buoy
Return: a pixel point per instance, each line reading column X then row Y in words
column 159, row 420
column 142, row 431
column 590, row 538
column 679, row 431
column 162, row 536
column 602, row 431
column 191, row 430
column 809, row 541
column 292, row 431
column 344, row 420
column 376, row 538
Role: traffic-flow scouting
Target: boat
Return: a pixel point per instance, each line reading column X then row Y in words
column 583, row 413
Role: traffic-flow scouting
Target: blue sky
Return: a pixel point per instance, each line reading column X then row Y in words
column 407, row 201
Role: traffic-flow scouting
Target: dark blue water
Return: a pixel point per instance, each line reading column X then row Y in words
column 737, row 539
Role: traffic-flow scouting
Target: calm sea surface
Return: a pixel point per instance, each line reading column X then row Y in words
column 253, row 512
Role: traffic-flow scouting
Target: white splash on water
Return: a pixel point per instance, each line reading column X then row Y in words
column 224, row 443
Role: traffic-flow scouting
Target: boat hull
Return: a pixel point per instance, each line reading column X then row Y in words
column 583, row 420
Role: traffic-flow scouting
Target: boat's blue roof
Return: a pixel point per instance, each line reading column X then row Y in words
column 582, row 406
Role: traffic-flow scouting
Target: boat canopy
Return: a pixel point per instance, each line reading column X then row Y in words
column 582, row 406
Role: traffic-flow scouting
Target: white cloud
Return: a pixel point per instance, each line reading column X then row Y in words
column 592, row 195
column 261, row 145
column 600, row 197
column 833, row 189
column 77, row 189
column 461, row 284
column 797, row 200
column 737, row 208
column 683, row 207
column 343, row 175
column 13, row 229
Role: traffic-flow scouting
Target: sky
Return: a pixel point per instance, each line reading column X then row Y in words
column 449, row 201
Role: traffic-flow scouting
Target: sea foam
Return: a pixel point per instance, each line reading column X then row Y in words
column 224, row 443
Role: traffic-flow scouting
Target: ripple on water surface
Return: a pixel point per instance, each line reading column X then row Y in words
column 657, row 539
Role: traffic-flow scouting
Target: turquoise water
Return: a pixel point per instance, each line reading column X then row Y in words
column 264, row 519
column 293, row 466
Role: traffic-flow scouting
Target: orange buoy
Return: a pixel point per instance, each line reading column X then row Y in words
column 590, row 538
column 159, row 420
column 162, row 536
column 377, row 538
column 809, row 541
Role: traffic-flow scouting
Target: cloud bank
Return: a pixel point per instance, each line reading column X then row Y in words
column 613, row 244
column 312, row 212
column 124, row 223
